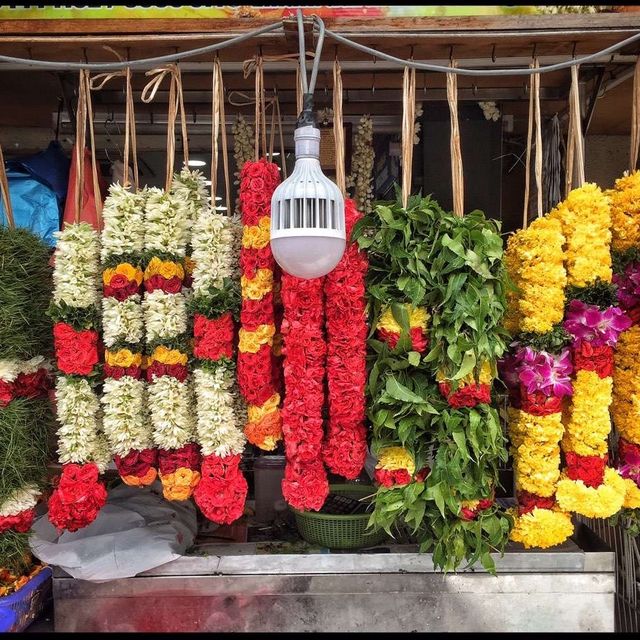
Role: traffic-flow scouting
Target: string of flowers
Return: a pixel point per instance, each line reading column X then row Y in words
column 587, row 485
column 625, row 408
column 222, row 490
column 345, row 447
column 256, row 375
column 305, row 485
column 165, row 313
column 362, row 159
column 537, row 373
column 82, row 446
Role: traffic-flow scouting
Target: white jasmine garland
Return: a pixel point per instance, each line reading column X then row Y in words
column 213, row 242
column 166, row 223
column 101, row 455
column 171, row 410
column 123, row 218
column 78, row 410
column 165, row 314
column 122, row 321
column 11, row 369
column 217, row 425
column 76, row 272
column 20, row 500
column 124, row 421
column 189, row 191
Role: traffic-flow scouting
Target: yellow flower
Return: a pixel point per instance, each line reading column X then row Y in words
column 127, row 270
column 632, row 494
column 587, row 421
column 586, row 224
column 625, row 212
column 598, row 502
column 418, row 317
column 122, row 358
column 165, row 268
column 625, row 408
column 259, row 286
column 168, row 356
column 180, row 484
column 255, row 413
column 251, row 341
column 542, row 528
column 258, row 236
column 392, row 458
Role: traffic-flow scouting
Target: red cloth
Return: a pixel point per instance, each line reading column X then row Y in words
column 88, row 213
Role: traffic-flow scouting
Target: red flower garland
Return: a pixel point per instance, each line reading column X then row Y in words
column 76, row 351
column 345, row 448
column 20, row 522
column 590, row 358
column 138, row 468
column 529, row 501
column 419, row 339
column 589, row 469
column 305, row 484
column 26, row 385
column 78, row 497
column 468, row 395
column 213, row 338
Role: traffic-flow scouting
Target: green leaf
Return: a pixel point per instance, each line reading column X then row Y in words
column 414, row 358
column 399, row 392
column 468, row 362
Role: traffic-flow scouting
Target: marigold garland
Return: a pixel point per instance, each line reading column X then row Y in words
column 542, row 528
column 625, row 212
column 256, row 377
column 82, row 447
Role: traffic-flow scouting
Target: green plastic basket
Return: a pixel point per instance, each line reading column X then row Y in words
column 340, row 531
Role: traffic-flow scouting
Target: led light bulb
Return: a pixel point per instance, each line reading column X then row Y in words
column 307, row 214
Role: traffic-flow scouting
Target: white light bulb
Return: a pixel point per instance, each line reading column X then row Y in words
column 307, row 214
column 196, row 163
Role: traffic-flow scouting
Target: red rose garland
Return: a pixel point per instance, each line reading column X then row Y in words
column 305, row 484
column 345, row 448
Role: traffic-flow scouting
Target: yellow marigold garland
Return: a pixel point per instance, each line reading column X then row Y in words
column 542, row 528
column 625, row 212
column 592, row 502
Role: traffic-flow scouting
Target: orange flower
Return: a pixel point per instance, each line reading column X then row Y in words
column 141, row 481
column 125, row 269
column 267, row 432
column 166, row 269
column 180, row 484
column 122, row 358
column 168, row 356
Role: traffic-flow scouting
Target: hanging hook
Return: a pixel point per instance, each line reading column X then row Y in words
column 493, row 53
column 424, row 83
column 84, row 53
column 533, row 52
column 450, row 54
column 474, row 89
column 373, row 77
column 573, row 52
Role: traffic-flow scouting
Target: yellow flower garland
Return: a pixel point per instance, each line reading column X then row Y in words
column 598, row 502
column 168, row 356
column 542, row 528
column 626, row 385
column 393, row 458
column 257, row 236
column 586, row 223
column 251, row 341
column 632, row 494
column 165, row 268
column 125, row 269
column 625, row 212
column 259, row 286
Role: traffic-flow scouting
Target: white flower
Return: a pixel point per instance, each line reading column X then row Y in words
column 78, row 410
column 166, row 223
column 122, row 321
column 101, row 455
column 34, row 364
column 165, row 314
column 9, row 370
column 76, row 272
column 123, row 217
column 125, row 421
column 20, row 500
column 217, row 425
column 171, row 409
column 189, row 191
column 213, row 250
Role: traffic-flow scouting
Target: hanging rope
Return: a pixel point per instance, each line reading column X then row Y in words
column 635, row 118
column 92, row 144
column 338, row 127
column 568, row 176
column 534, row 122
column 176, row 102
column 408, row 130
column 299, row 92
column 261, row 119
column 6, row 198
column 283, row 158
column 539, row 149
column 577, row 155
column 527, row 164
column 457, row 177
column 219, row 129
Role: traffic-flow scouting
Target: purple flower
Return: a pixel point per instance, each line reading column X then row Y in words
column 587, row 323
column 631, row 467
column 542, row 371
column 628, row 286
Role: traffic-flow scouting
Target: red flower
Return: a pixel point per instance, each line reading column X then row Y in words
column 468, row 514
column 529, row 501
column 32, row 385
column 419, row 340
column 396, row 478
column 20, row 522
column 590, row 358
column 539, row 404
column 136, row 462
column 257, row 312
column 120, row 287
column 627, row 449
column 222, row 490
column 6, row 393
column 78, row 497
column 254, row 371
column 158, row 369
column 76, row 351
column 468, row 395
column 168, row 285
column 116, row 373
column 253, row 259
column 187, row 457
column 305, row 486
column 213, row 338
column 421, row 476
column 345, row 449
column 589, row 469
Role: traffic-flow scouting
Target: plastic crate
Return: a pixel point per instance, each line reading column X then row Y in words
column 19, row 609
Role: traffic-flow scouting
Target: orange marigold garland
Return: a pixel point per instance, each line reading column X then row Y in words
column 256, row 365
column 345, row 447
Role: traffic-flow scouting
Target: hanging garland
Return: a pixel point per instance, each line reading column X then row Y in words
column 82, row 447
column 587, row 485
column 345, row 447
column 537, row 374
column 362, row 162
column 256, row 377
column 165, row 313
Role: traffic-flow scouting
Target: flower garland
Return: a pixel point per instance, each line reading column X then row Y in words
column 256, row 377
column 538, row 377
column 587, row 486
column 124, row 402
column 82, row 447
column 362, row 160
column 625, row 408
column 222, row 490
column 345, row 447
column 170, row 397
column 305, row 485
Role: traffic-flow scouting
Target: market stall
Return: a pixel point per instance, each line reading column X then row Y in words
column 287, row 378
